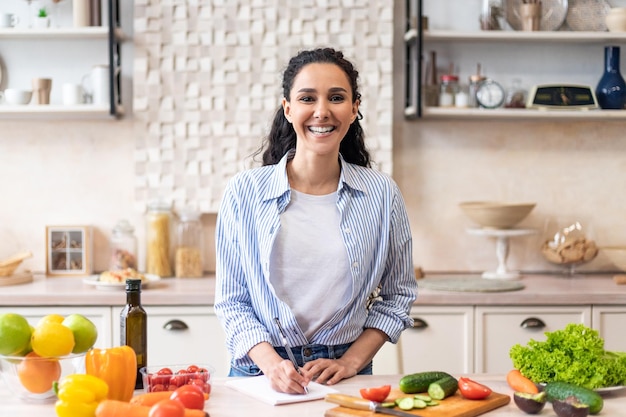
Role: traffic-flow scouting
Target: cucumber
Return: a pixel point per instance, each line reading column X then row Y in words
column 443, row 388
column 562, row 390
column 419, row 382
column 405, row 403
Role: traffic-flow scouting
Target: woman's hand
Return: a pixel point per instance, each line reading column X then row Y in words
column 280, row 372
column 284, row 377
column 329, row 371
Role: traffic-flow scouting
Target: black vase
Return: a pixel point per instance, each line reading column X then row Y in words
column 611, row 89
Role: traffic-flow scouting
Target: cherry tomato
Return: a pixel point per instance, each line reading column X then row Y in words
column 191, row 396
column 167, row 408
column 162, row 376
column 192, row 369
column 203, row 374
column 473, row 390
column 377, row 394
column 178, row 380
column 157, row 388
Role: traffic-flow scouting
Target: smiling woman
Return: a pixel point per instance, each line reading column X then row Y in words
column 315, row 205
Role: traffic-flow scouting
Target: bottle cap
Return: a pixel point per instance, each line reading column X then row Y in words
column 133, row 285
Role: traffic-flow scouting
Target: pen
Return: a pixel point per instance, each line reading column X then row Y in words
column 288, row 349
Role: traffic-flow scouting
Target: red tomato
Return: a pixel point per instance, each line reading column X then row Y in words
column 203, row 374
column 192, row 369
column 473, row 390
column 157, row 388
column 178, row 380
column 191, row 396
column 162, row 376
column 167, row 408
column 377, row 394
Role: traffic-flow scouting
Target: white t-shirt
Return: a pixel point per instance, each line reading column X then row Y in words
column 309, row 263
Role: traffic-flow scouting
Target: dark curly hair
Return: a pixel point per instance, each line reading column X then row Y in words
column 282, row 136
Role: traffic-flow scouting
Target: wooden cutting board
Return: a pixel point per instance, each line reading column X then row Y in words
column 454, row 406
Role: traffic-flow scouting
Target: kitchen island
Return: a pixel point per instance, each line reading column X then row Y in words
column 226, row 402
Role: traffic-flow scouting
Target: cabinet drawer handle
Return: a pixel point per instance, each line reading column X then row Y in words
column 533, row 323
column 419, row 323
column 175, row 325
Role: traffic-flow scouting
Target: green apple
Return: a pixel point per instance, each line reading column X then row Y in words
column 85, row 332
column 15, row 334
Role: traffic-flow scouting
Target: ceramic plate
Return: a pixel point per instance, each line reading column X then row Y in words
column 95, row 281
column 553, row 13
column 587, row 15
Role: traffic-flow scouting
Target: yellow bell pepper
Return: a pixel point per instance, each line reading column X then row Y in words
column 117, row 366
column 79, row 395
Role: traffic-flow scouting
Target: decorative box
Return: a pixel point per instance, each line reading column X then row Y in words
column 69, row 250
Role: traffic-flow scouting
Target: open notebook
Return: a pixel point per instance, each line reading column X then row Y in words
column 259, row 388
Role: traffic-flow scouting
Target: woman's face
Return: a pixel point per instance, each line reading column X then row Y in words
column 320, row 107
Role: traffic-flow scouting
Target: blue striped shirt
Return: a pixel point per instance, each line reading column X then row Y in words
column 376, row 233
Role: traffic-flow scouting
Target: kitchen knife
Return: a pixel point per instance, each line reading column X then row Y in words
column 362, row 404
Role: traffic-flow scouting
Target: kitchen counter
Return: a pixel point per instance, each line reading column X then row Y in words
column 539, row 290
column 226, row 402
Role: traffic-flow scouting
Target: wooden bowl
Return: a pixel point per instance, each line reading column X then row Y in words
column 496, row 214
column 9, row 265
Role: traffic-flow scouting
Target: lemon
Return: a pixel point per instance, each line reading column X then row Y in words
column 52, row 339
column 15, row 333
column 52, row 318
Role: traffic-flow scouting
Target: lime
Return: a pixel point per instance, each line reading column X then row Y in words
column 52, row 340
column 85, row 332
column 15, row 333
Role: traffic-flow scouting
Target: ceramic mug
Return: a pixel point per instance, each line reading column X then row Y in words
column 73, row 94
column 41, row 89
column 15, row 96
column 8, row 20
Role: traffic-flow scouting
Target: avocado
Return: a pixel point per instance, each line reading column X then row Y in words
column 530, row 403
column 570, row 407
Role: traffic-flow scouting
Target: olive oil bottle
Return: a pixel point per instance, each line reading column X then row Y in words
column 133, row 326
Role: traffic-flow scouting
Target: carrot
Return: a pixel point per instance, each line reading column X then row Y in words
column 520, row 383
column 115, row 408
column 151, row 398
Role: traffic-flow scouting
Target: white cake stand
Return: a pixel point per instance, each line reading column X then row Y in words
column 502, row 249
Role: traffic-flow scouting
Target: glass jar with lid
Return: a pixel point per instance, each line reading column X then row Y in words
column 158, row 239
column 188, row 254
column 123, row 247
column 448, row 89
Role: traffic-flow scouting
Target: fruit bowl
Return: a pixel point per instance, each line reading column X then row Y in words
column 617, row 255
column 31, row 377
column 170, row 377
column 496, row 214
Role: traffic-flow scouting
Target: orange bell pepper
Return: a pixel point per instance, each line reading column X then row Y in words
column 117, row 366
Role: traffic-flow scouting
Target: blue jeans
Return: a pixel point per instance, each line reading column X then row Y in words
column 303, row 354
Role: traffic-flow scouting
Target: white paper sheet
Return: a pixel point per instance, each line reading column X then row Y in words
column 259, row 388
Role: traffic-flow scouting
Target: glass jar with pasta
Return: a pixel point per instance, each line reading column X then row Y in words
column 188, row 253
column 158, row 239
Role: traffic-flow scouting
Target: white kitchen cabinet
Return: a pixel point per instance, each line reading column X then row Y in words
column 506, row 56
column 609, row 322
column 442, row 339
column 183, row 335
column 499, row 328
column 100, row 316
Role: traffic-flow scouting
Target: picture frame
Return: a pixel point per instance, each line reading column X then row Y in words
column 69, row 250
